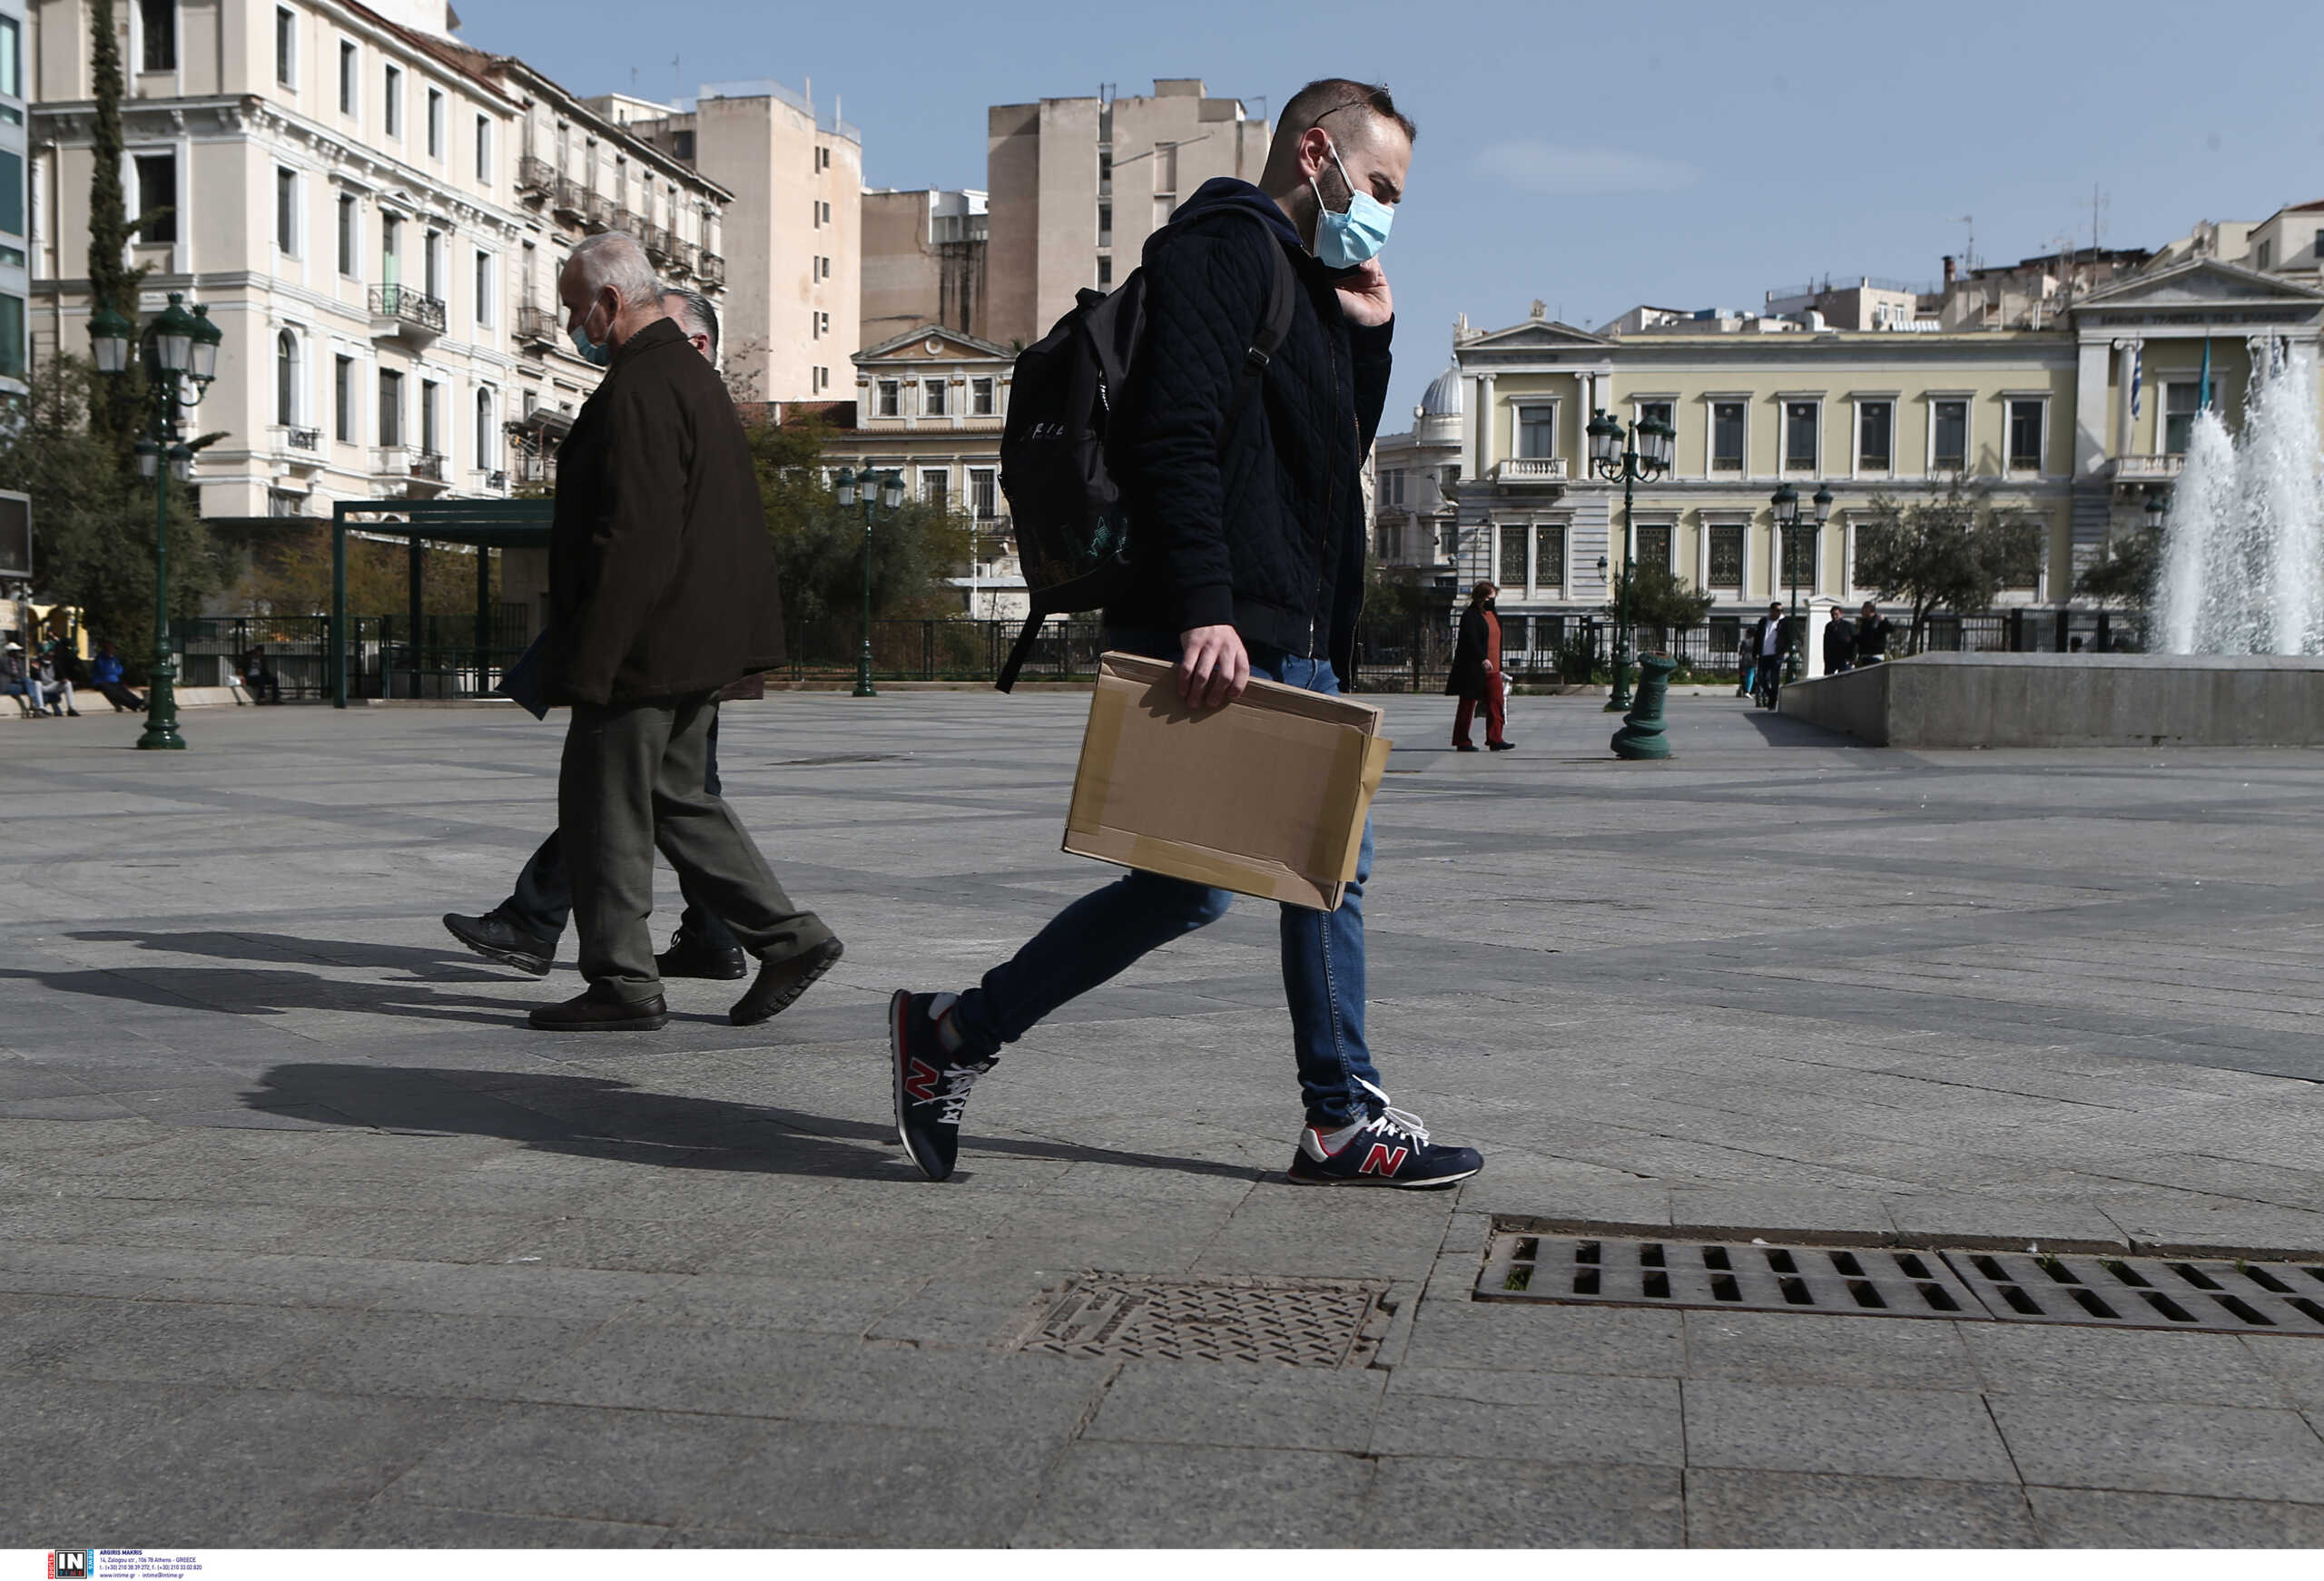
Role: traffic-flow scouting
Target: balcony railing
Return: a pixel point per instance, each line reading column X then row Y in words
column 403, row 305
column 684, row 256
column 536, row 175
column 535, row 468
column 600, row 211
column 1529, row 469
column 658, row 245
column 392, row 462
column 535, row 325
column 496, row 481
column 2147, row 469
column 428, row 464
column 630, row 223
column 568, row 200
column 712, row 268
column 303, row 438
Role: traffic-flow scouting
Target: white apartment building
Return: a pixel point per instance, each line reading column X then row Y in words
column 344, row 187
column 16, row 233
column 1077, row 185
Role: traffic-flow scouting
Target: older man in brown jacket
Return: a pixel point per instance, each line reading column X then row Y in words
column 662, row 590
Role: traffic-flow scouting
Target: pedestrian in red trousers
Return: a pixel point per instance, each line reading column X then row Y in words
column 1476, row 671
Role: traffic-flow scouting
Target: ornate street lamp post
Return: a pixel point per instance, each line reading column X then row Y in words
column 1785, row 500
column 1645, row 457
column 180, row 351
column 886, row 489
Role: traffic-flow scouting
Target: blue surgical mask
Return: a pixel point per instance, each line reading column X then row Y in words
column 595, row 353
column 1345, row 239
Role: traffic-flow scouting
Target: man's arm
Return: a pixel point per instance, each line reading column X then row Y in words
column 635, row 542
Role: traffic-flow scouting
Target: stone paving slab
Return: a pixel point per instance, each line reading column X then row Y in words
column 305, row 1238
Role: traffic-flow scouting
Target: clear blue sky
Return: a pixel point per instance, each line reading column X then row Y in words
column 1594, row 157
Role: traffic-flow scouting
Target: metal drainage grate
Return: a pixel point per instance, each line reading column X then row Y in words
column 1746, row 1278
column 1291, row 1323
column 2147, row 1292
column 2224, row 1296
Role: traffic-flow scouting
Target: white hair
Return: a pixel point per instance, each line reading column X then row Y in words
column 612, row 259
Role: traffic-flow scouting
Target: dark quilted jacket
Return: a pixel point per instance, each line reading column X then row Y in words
column 1266, row 533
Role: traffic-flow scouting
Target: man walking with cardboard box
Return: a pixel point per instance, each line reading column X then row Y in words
column 1249, row 540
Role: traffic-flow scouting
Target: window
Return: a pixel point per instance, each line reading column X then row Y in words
column 11, row 58
column 484, row 431
column 286, row 379
column 891, row 399
column 393, row 108
column 286, row 212
column 934, row 485
column 157, row 197
column 685, row 145
column 1727, row 559
column 1105, row 171
column 1105, row 224
column 1537, row 433
column 435, row 123
column 158, row 20
column 1948, row 437
column 1800, row 450
column 932, row 402
column 1392, row 486
column 979, row 398
column 981, row 498
column 2180, row 404
column 343, row 399
column 1653, row 546
column 2026, row 435
column 483, row 291
column 1166, row 167
column 1514, row 545
column 1660, row 411
column 1727, row 436
column 827, row 214
column 1163, row 209
column 12, row 192
column 430, row 440
column 390, row 249
column 390, row 408
column 1548, row 558
column 349, row 66
column 1876, row 422
column 349, row 243
column 484, row 148
column 12, row 337
column 1798, row 558
column 2266, row 256
column 286, row 47
column 1104, row 274
column 432, row 263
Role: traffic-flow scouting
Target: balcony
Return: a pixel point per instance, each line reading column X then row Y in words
column 537, row 471
column 400, row 312
column 630, row 223
column 301, row 449
column 535, row 177
column 683, row 256
column 712, row 268
column 419, row 472
column 2147, row 469
column 1529, row 469
column 570, row 201
column 536, row 327
column 599, row 210
column 658, row 245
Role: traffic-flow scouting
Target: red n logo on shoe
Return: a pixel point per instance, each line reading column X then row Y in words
column 920, row 1080
column 1383, row 1160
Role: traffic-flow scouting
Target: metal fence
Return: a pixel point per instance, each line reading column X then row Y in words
column 448, row 658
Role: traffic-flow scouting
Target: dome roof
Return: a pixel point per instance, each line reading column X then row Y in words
column 1444, row 396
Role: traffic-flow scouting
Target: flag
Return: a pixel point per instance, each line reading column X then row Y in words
column 2138, row 374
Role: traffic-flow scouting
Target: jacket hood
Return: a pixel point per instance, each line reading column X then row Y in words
column 1227, row 192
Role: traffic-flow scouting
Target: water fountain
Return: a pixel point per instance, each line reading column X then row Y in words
column 2243, row 545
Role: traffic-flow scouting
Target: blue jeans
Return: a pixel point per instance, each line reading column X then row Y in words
column 1110, row 929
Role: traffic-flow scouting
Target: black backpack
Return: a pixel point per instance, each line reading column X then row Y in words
column 1072, row 524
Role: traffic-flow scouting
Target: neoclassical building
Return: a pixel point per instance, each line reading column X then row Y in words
column 374, row 214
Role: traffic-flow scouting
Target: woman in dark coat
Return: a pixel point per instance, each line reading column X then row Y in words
column 1476, row 671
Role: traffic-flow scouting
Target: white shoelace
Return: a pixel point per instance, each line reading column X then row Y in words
column 1392, row 1120
column 953, row 1100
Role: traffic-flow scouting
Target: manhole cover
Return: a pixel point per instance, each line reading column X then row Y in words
column 1748, row 1278
column 2223, row 1295
column 1290, row 1323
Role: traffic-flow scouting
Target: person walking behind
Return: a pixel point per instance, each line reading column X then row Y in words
column 662, row 591
column 1872, row 629
column 1770, row 641
column 522, row 931
column 1476, row 671
column 1249, row 556
column 106, row 679
column 1839, row 644
column 1746, row 660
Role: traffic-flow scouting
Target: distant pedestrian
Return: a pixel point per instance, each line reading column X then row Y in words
column 1770, row 639
column 1872, row 629
column 261, row 683
column 16, row 681
column 1746, row 661
column 1839, row 644
column 1476, row 675
column 2073, row 644
column 50, row 688
column 106, row 679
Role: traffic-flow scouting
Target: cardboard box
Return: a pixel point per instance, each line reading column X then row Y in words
column 1266, row 796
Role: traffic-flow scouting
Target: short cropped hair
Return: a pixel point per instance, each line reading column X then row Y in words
column 700, row 316
column 614, row 259
column 1330, row 95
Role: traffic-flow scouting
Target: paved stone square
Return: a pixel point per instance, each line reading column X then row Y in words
column 306, row 1238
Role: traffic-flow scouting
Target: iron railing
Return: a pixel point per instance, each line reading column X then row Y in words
column 535, row 325
column 408, row 306
column 712, row 268
column 536, row 175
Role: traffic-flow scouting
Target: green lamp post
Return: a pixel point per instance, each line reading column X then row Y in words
column 870, row 490
column 1785, row 500
column 180, row 351
column 1644, row 457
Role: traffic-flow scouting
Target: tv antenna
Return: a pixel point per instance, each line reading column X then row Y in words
column 1969, row 247
column 2098, row 205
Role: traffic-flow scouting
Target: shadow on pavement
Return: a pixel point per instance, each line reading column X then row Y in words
column 603, row 1117
column 450, row 963
column 1782, row 730
column 248, row 991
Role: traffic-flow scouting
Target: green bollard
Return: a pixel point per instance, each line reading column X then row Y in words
column 1642, row 732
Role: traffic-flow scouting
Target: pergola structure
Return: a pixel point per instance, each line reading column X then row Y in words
column 483, row 524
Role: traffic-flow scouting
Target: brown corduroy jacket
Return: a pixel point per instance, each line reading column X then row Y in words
column 662, row 580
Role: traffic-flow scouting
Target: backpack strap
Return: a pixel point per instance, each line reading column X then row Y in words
column 1020, row 649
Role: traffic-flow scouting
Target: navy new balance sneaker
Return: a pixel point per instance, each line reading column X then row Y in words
column 1390, row 1149
column 931, row 1085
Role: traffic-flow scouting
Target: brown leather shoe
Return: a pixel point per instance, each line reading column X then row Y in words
column 781, row 982
column 596, row 1011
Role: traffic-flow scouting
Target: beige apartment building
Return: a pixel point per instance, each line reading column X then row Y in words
column 793, row 260
column 924, row 258
column 374, row 215
column 2070, row 424
column 1077, row 185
